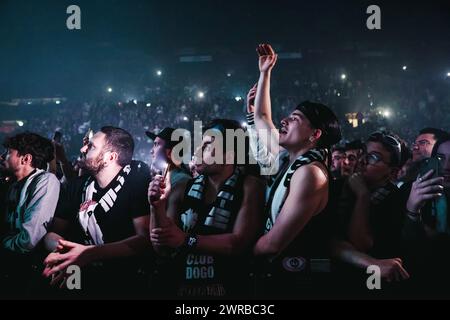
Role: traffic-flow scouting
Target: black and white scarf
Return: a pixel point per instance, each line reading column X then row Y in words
column 280, row 188
column 90, row 208
column 220, row 216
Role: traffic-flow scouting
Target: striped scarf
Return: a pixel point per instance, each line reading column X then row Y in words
column 220, row 216
column 90, row 208
column 319, row 155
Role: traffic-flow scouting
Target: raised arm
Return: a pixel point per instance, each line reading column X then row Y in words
column 267, row 132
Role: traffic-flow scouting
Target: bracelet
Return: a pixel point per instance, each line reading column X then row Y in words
column 250, row 119
column 412, row 213
column 191, row 242
column 416, row 216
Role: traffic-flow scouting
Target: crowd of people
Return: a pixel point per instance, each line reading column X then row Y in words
column 384, row 96
column 321, row 204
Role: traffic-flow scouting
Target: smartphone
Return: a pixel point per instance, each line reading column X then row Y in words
column 433, row 163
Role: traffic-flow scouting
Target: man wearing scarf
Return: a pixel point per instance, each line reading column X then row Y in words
column 105, row 216
column 296, row 157
column 210, row 223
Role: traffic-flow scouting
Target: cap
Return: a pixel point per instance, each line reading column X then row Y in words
column 165, row 134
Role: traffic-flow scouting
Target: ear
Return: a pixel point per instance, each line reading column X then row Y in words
column 317, row 133
column 113, row 156
column 26, row 159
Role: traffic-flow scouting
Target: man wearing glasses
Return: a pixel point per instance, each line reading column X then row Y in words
column 427, row 228
column 424, row 143
column 370, row 217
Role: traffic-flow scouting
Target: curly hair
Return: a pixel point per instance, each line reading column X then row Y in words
column 40, row 148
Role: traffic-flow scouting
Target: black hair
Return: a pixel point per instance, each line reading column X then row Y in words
column 120, row 141
column 354, row 145
column 321, row 117
column 391, row 143
column 340, row 149
column 41, row 149
column 437, row 133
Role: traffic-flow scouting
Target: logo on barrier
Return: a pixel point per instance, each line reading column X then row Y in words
column 294, row 264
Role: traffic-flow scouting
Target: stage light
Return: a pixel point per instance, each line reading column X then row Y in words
column 404, row 68
column 238, row 98
column 110, row 89
column 448, row 74
column 148, row 104
column 185, row 118
column 29, row 102
column 134, row 101
column 244, row 124
column 343, row 76
column 338, row 94
column 371, row 104
column 386, row 113
column 19, row 123
column 159, row 73
column 201, row 94
column 228, row 75
column 57, row 102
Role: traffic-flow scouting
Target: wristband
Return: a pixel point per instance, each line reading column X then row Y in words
column 250, row 118
column 191, row 242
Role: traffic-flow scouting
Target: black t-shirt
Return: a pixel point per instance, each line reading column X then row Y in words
column 385, row 220
column 202, row 275
column 117, row 223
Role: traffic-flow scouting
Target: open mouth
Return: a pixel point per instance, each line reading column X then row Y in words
column 283, row 130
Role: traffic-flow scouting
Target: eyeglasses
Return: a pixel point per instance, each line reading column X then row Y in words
column 389, row 140
column 373, row 158
column 421, row 143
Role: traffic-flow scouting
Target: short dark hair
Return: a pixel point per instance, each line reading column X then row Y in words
column 340, row 149
column 322, row 117
column 354, row 145
column 41, row 149
column 391, row 143
column 120, row 141
column 437, row 133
